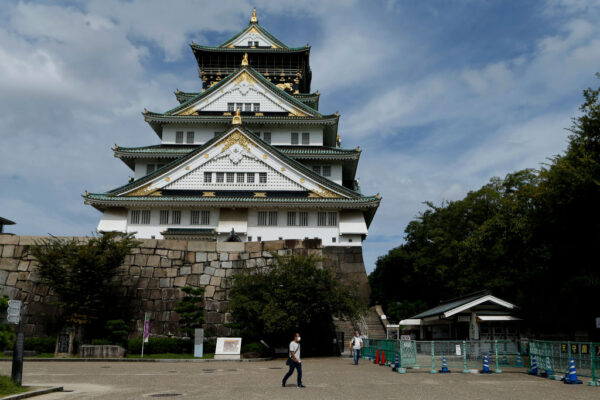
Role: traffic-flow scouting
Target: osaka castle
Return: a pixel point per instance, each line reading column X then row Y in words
column 248, row 158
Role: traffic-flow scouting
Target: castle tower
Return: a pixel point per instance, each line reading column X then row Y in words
column 249, row 158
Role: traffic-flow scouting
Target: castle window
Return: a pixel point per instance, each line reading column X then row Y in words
column 291, row 218
column 305, row 138
column 256, row 107
column 164, row 217
column 262, row 218
column 176, row 217
column 149, row 168
column 239, row 106
column 333, row 240
column 230, row 177
column 249, row 43
column 294, row 137
column 220, row 177
column 231, row 107
column 255, row 44
column 250, row 177
column 249, row 238
column 207, row 177
column 272, row 218
column 200, row 217
column 190, row 137
column 240, row 177
column 303, row 220
column 248, row 107
column 267, row 137
column 135, row 217
column 332, row 218
column 322, row 219
column 326, row 170
column 145, row 217
column 179, row 137
column 262, row 177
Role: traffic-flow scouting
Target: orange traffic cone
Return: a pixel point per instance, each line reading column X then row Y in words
column 382, row 357
column 377, row 357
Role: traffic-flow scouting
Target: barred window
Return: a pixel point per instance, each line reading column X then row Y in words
column 145, row 217
column 249, row 43
column 176, row 217
column 207, row 177
column 255, row 44
column 195, row 217
column 305, row 138
column 291, row 218
column 303, row 218
column 230, row 107
column 230, row 177
column 267, row 137
column 135, row 217
column 200, row 217
column 179, row 137
column 256, row 107
column 317, row 169
column 149, row 168
column 294, row 137
column 190, row 137
column 250, row 177
column 240, row 177
column 272, row 218
column 249, row 238
column 239, row 106
column 205, row 217
column 332, row 218
column 326, row 170
column 262, row 177
column 248, row 107
column 322, row 219
column 220, row 177
column 164, row 217
column 262, row 218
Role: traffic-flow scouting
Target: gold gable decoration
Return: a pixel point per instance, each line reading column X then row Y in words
column 244, row 76
column 245, row 60
column 235, row 138
column 322, row 192
column 145, row 190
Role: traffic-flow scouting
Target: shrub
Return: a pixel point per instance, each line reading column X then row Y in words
column 7, row 337
column 255, row 347
column 101, row 342
column 41, row 344
column 161, row 345
column 117, row 331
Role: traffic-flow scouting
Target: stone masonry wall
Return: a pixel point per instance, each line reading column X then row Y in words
column 153, row 275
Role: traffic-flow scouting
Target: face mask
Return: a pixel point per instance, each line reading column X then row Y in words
column 298, row 338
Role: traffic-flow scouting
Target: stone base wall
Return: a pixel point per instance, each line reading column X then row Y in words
column 153, row 275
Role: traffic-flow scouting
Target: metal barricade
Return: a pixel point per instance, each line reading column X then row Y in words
column 555, row 356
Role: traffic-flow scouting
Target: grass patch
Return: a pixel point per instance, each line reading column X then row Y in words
column 170, row 356
column 7, row 387
column 43, row 355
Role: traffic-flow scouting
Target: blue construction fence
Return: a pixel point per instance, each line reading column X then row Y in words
column 552, row 358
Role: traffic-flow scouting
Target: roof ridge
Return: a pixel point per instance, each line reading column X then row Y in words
column 261, row 28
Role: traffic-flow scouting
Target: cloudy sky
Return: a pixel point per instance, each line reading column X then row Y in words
column 440, row 95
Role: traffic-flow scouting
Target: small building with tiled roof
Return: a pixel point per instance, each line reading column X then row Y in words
column 249, row 157
column 3, row 223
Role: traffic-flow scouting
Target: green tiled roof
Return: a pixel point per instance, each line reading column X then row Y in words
column 310, row 99
column 255, row 74
column 449, row 305
column 260, row 28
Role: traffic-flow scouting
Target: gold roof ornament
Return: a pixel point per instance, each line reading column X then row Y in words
column 337, row 114
column 237, row 118
column 245, row 59
column 178, row 91
column 254, row 18
column 87, row 193
column 145, row 111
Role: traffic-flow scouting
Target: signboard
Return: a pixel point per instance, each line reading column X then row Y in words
column 405, row 337
column 574, row 348
column 564, row 348
column 63, row 344
column 464, row 318
column 585, row 348
column 13, row 313
column 228, row 348
column 198, row 343
column 598, row 322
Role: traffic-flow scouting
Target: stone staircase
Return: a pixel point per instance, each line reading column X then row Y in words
column 370, row 325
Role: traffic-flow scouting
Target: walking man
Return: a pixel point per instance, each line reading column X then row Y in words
column 294, row 361
column 356, row 345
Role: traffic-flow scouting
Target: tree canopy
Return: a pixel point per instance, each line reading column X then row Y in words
column 292, row 295
column 530, row 238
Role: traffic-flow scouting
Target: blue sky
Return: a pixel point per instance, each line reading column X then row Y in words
column 439, row 95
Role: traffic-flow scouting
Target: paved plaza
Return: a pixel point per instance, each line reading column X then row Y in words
column 325, row 378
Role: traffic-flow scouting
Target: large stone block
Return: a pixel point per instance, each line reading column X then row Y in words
column 160, row 272
column 201, row 257
column 220, row 272
column 165, row 262
column 205, row 279
column 149, row 243
column 253, row 247
column 23, row 265
column 8, row 250
column 209, row 291
column 292, row 243
column 19, row 251
column 141, row 259
column 175, row 254
column 185, row 270
column 164, row 282
column 251, row 263
column 214, row 281
column 147, row 272
column 192, row 280
column 226, row 264
column 179, row 281
column 172, row 244
column 9, row 264
column 9, row 239
column 3, row 277
column 209, row 270
column 153, row 261
column 135, row 270
column 12, row 278
column 147, row 251
column 172, row 272
column 230, row 247
column 161, row 252
column 273, row 245
column 197, row 268
column 201, row 246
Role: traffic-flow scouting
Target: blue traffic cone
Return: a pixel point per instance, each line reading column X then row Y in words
column 444, row 369
column 571, row 377
column 504, row 360
column 534, row 368
column 486, row 365
column 519, row 362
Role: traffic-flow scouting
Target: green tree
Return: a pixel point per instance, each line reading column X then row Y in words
column 294, row 294
column 191, row 310
column 82, row 275
column 7, row 334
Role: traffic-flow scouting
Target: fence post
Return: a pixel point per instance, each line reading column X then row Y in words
column 498, row 370
column 464, row 346
column 593, row 382
column 433, row 370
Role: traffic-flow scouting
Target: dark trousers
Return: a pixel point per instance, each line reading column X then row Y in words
column 298, row 367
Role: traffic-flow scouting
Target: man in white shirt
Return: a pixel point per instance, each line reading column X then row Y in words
column 356, row 345
column 294, row 361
